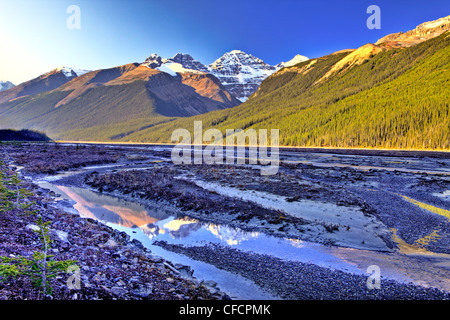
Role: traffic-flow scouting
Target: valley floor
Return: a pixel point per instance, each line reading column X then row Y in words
column 308, row 232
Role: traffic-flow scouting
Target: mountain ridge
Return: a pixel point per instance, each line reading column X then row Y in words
column 45, row 82
column 239, row 72
column 380, row 95
column 372, row 97
column 6, row 85
column 131, row 96
column 422, row 32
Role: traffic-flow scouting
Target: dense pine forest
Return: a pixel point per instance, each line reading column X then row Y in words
column 398, row 98
column 393, row 98
column 22, row 135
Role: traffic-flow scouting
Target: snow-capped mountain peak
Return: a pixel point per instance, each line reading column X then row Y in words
column 153, row 56
column 70, row 72
column 153, row 61
column 5, row 85
column 179, row 63
column 241, row 73
column 297, row 59
column 236, row 57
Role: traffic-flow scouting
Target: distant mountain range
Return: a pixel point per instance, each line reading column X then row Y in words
column 239, row 72
column 393, row 93
column 46, row 82
column 110, row 103
column 134, row 96
column 5, row 85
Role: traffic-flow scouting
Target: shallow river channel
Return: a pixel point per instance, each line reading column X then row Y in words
column 149, row 224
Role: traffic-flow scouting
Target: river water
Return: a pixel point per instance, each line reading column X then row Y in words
column 150, row 223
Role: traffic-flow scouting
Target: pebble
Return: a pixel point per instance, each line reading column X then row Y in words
column 294, row 280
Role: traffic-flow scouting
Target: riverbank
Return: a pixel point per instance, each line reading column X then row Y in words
column 201, row 191
column 110, row 266
column 293, row 280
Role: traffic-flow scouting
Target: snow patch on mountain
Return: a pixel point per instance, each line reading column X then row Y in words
column 178, row 64
column 70, row 72
column 178, row 68
column 166, row 68
column 5, row 85
column 297, row 59
column 240, row 73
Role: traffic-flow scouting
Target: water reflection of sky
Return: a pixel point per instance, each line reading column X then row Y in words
column 157, row 224
column 148, row 224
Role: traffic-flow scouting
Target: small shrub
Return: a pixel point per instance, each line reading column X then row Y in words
column 40, row 267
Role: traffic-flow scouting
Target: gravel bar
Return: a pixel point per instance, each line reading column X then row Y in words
column 292, row 280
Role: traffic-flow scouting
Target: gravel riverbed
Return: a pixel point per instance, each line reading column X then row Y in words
column 113, row 267
column 108, row 265
column 294, row 280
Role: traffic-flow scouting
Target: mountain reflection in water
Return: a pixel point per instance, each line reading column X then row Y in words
column 157, row 222
column 154, row 221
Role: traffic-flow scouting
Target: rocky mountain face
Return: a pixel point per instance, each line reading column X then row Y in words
column 5, row 85
column 188, row 62
column 390, row 94
column 112, row 103
column 210, row 87
column 422, row 32
column 193, row 74
column 181, row 63
column 240, row 73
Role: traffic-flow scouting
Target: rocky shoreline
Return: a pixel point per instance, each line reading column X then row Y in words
column 113, row 267
column 110, row 266
column 287, row 280
column 294, row 280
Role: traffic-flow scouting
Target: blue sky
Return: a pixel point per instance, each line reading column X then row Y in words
column 34, row 37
